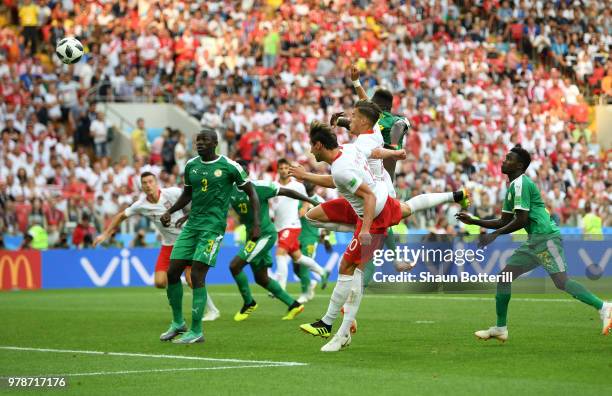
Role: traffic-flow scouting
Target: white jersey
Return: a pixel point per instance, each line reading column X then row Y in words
column 286, row 213
column 366, row 143
column 349, row 170
column 153, row 211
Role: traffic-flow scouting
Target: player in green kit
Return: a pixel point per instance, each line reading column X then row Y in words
column 209, row 181
column 524, row 208
column 309, row 239
column 258, row 254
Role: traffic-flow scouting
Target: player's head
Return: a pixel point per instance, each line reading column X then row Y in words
column 365, row 116
column 322, row 140
column 383, row 98
column 517, row 161
column 206, row 141
column 148, row 183
column 310, row 188
column 283, row 168
column 244, row 165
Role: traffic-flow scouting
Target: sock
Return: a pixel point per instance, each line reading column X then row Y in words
column 197, row 309
column 340, row 227
column 275, row 288
column 502, row 299
column 390, row 240
column 311, row 264
column 368, row 273
column 282, row 270
column 210, row 305
column 426, row 201
column 351, row 307
column 581, row 293
column 338, row 298
column 304, row 275
column 243, row 286
column 174, row 291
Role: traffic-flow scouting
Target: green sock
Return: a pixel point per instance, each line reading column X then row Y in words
column 243, row 286
column 277, row 290
column 581, row 293
column 368, row 273
column 390, row 240
column 197, row 311
column 174, row 291
column 502, row 299
column 304, row 275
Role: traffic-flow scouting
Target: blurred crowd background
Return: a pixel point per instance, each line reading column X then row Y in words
column 473, row 77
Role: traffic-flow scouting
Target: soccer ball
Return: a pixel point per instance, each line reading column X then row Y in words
column 69, row 50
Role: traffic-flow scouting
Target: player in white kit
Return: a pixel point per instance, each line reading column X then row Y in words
column 288, row 226
column 152, row 204
column 366, row 203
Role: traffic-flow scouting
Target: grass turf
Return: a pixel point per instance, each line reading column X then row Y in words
column 420, row 344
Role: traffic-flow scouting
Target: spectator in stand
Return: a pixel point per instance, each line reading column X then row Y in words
column 99, row 133
column 28, row 18
column 140, row 145
column 83, row 233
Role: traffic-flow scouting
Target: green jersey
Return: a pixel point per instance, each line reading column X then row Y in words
column 309, row 233
column 523, row 194
column 240, row 203
column 212, row 183
column 385, row 122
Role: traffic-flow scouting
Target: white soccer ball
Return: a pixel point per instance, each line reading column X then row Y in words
column 69, row 50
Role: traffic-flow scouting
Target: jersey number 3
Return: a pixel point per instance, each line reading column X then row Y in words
column 204, row 185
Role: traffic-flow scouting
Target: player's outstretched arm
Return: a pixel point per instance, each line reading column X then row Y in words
column 180, row 203
column 383, row 153
column 117, row 219
column 398, row 130
column 491, row 224
column 296, row 195
column 357, row 84
column 254, row 200
column 519, row 220
column 320, row 180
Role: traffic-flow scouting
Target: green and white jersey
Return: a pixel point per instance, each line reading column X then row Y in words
column 212, row 183
column 240, row 202
column 523, row 194
column 309, row 233
column 384, row 124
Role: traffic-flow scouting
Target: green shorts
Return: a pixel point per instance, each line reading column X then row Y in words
column 258, row 254
column 197, row 245
column 309, row 247
column 547, row 252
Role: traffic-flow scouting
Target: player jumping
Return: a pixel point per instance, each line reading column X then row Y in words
column 523, row 207
column 209, row 180
column 366, row 204
column 152, row 205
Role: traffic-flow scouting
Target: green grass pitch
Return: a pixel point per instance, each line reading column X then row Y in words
column 406, row 344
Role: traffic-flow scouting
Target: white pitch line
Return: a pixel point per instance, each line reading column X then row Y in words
column 154, row 370
column 145, row 355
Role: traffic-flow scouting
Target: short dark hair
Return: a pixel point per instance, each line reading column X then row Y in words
column 208, row 130
column 282, row 161
column 369, row 109
column 383, row 98
column 146, row 174
column 523, row 155
column 321, row 132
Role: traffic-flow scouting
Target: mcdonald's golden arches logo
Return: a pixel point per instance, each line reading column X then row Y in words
column 19, row 270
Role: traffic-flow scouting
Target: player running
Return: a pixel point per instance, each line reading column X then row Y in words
column 152, row 205
column 209, row 180
column 287, row 222
column 523, row 207
column 257, row 254
column 364, row 203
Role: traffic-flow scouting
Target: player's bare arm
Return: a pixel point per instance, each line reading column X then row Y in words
column 519, row 220
column 254, row 200
column 355, row 78
column 383, row 153
column 490, row 224
column 180, row 203
column 369, row 208
column 296, row 195
column 115, row 222
column 320, row 180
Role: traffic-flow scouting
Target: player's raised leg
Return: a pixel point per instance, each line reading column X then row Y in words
column 294, row 308
column 249, row 305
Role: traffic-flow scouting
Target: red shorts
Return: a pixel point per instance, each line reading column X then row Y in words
column 163, row 259
column 340, row 211
column 288, row 239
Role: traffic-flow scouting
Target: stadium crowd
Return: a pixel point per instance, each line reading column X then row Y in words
column 473, row 78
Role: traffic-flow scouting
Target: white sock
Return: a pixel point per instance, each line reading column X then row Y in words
column 426, row 201
column 340, row 227
column 338, row 298
column 351, row 307
column 282, row 270
column 210, row 305
column 311, row 264
column 502, row 328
